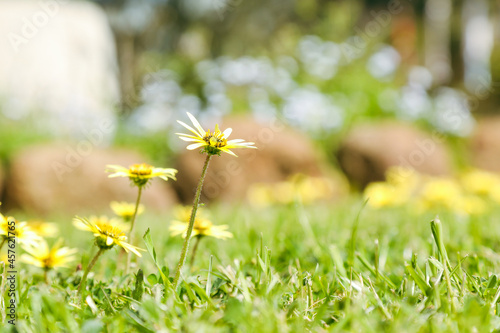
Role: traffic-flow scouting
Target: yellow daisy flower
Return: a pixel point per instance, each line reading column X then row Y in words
column 23, row 234
column 213, row 143
column 101, row 220
column 126, row 210
column 183, row 213
column 44, row 229
column 202, row 226
column 140, row 174
column 41, row 256
column 107, row 233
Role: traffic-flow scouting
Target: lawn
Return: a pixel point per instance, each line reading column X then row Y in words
column 288, row 268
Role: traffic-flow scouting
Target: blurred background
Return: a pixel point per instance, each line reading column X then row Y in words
column 334, row 93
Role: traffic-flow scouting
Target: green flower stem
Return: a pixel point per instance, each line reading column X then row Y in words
column 87, row 270
column 191, row 222
column 195, row 248
column 132, row 224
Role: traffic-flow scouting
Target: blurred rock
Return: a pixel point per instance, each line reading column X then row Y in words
column 281, row 153
column 58, row 65
column 51, row 178
column 369, row 150
column 485, row 144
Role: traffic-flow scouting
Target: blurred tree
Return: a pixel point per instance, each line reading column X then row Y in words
column 191, row 30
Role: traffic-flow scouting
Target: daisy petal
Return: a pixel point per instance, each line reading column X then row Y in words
column 227, row 132
column 188, row 136
column 196, row 124
column 228, row 151
column 189, row 128
column 195, row 145
column 235, row 141
column 189, row 139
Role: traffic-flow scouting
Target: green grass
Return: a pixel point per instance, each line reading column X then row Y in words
column 287, row 269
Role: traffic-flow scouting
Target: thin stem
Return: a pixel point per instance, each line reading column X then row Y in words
column 132, row 224
column 191, row 222
column 87, row 270
column 46, row 276
column 195, row 248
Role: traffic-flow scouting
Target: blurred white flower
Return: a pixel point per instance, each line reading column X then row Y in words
column 246, row 70
column 420, row 76
column 452, row 113
column 413, row 103
column 312, row 111
column 321, row 59
column 207, row 70
column 383, row 64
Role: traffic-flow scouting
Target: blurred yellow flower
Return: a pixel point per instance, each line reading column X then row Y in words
column 140, row 174
column 101, row 220
column 44, row 229
column 260, row 195
column 311, row 189
column 469, row 194
column 213, row 143
column 106, row 233
column 40, row 255
column 23, row 234
column 298, row 187
column 126, row 210
column 284, row 192
column 495, row 194
column 381, row 194
column 472, row 205
column 440, row 193
column 480, row 182
column 202, row 226
column 403, row 178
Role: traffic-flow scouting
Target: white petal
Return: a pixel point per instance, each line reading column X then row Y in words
column 196, row 124
column 188, row 127
column 195, row 145
column 189, row 139
column 227, row 132
column 240, row 145
column 188, row 136
column 229, row 152
column 235, row 141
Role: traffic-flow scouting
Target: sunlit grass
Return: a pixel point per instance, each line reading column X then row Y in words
column 287, row 268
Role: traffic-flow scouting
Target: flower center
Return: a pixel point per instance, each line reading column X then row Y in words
column 141, row 169
column 47, row 262
column 202, row 225
column 110, row 231
column 106, row 231
column 215, row 139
